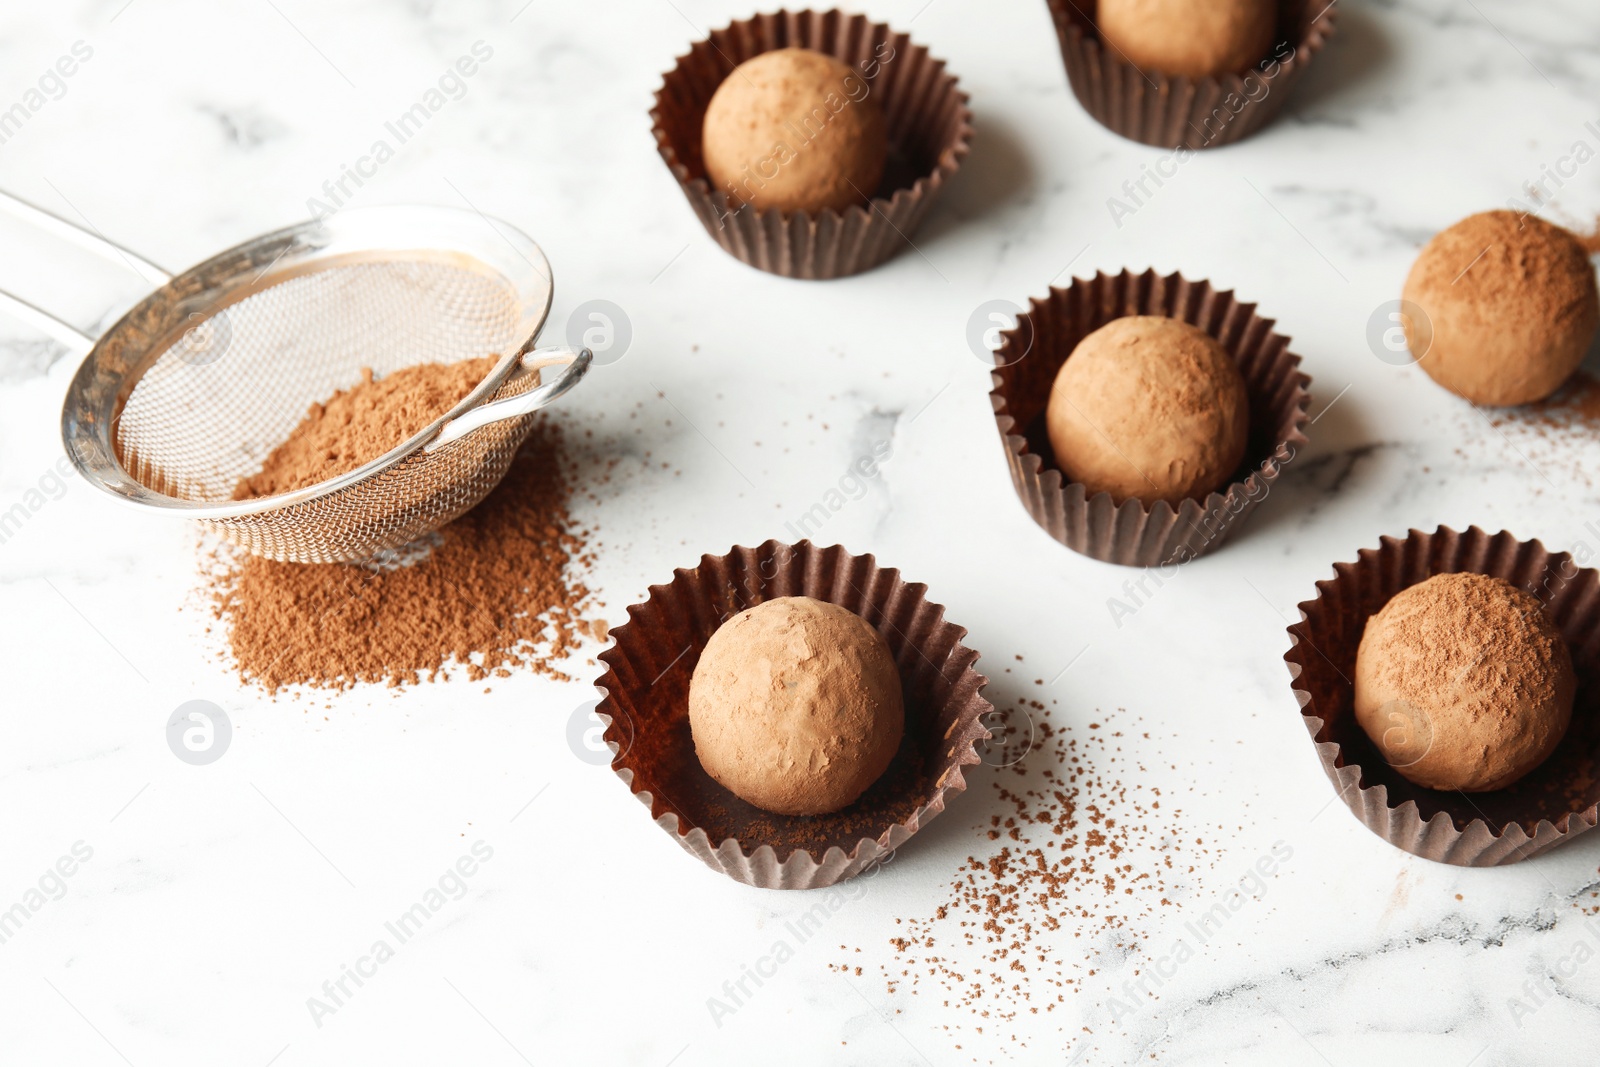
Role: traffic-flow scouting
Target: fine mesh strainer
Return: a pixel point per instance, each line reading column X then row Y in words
column 193, row 387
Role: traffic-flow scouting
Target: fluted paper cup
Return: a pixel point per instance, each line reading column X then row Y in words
column 1554, row 803
column 1134, row 533
column 929, row 125
column 1189, row 113
column 646, row 711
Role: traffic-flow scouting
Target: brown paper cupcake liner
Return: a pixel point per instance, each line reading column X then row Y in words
column 1557, row 801
column 1134, row 533
column 1155, row 109
column 930, row 127
column 645, row 709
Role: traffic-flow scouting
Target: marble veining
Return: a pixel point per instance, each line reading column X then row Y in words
column 215, row 901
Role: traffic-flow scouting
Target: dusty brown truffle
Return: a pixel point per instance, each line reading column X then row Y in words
column 1150, row 408
column 1463, row 682
column 1508, row 307
column 795, row 130
column 1189, row 38
column 795, row 706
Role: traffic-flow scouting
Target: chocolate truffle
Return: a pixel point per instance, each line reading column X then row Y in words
column 1189, row 38
column 1508, row 307
column 795, row 130
column 1149, row 408
column 1464, row 683
column 795, row 706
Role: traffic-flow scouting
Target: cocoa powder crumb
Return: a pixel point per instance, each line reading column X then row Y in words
column 1575, row 403
column 1088, row 852
column 1557, row 434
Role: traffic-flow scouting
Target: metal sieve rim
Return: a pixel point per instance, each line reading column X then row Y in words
column 112, row 368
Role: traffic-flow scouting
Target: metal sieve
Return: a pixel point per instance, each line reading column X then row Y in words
column 191, row 389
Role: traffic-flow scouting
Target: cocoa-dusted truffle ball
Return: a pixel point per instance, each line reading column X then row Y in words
column 795, row 130
column 1509, row 307
column 1463, row 682
column 1189, row 38
column 1149, row 408
column 795, row 706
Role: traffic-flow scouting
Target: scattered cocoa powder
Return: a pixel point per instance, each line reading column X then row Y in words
column 493, row 591
column 1577, row 403
column 1556, row 436
column 1085, row 861
column 359, row 424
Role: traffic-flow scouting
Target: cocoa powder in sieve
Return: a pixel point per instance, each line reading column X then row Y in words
column 357, row 425
column 493, row 591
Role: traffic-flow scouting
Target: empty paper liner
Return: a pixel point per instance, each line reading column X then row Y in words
column 1134, row 533
column 1553, row 803
column 929, row 127
column 646, row 712
column 1193, row 113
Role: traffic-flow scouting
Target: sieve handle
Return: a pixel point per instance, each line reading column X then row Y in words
column 86, row 237
column 76, row 341
column 575, row 360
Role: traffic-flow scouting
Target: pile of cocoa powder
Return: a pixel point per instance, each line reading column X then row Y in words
column 498, row 589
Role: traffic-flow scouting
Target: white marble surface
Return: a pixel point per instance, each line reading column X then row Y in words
column 218, row 899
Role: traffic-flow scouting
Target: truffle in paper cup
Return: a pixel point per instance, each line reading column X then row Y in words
column 646, row 687
column 1134, row 533
column 929, row 125
column 1189, row 113
column 1555, row 802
